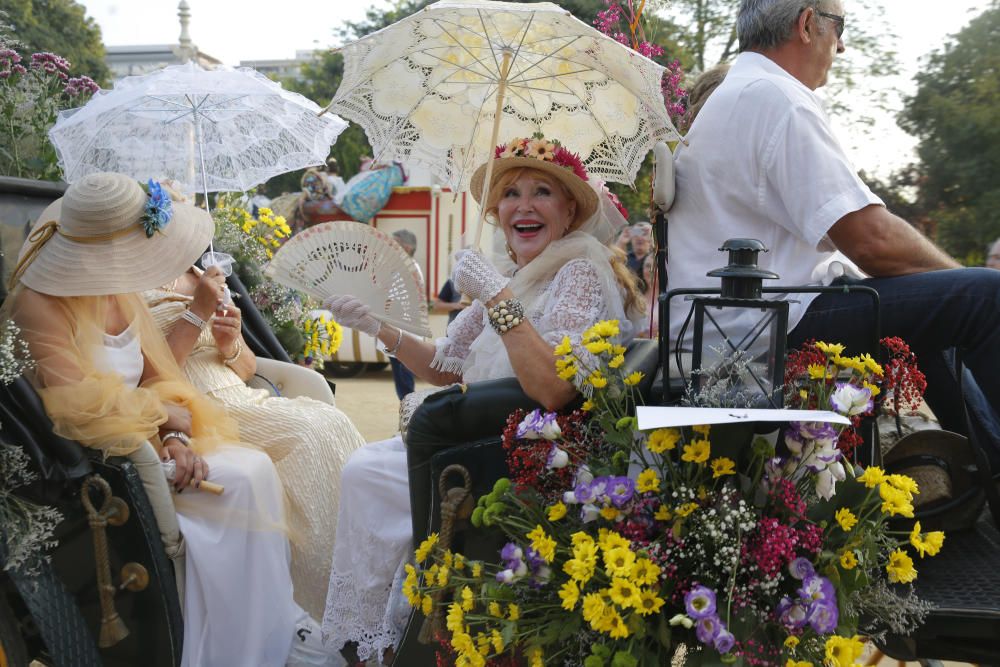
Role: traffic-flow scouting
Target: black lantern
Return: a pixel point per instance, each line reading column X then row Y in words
column 747, row 367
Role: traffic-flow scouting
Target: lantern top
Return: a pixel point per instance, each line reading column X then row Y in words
column 742, row 278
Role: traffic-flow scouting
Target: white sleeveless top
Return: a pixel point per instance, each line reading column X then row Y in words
column 122, row 355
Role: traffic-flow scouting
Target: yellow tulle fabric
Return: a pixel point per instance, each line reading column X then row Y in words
column 93, row 407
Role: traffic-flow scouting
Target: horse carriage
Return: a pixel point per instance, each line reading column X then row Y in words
column 109, row 594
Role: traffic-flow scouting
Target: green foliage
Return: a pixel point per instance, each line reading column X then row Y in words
column 708, row 33
column 319, row 81
column 59, row 26
column 953, row 113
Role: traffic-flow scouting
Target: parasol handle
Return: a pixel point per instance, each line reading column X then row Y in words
column 204, row 173
column 501, row 89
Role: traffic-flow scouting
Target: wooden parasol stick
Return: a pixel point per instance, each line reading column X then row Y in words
column 501, row 89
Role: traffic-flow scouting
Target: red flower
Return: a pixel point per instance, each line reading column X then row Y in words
column 565, row 158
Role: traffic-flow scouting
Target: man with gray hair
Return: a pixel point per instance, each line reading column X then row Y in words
column 761, row 161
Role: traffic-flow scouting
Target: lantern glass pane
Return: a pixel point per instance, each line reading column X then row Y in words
column 746, row 368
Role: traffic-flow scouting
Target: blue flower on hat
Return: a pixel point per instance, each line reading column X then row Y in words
column 159, row 208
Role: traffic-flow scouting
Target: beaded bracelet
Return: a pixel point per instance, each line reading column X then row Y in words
column 229, row 361
column 506, row 315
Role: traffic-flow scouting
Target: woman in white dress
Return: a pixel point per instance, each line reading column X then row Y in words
column 560, row 280
column 108, row 380
column 308, row 441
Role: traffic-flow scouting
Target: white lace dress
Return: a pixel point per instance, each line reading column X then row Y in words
column 238, row 606
column 364, row 603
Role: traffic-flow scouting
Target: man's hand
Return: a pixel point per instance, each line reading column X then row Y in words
column 885, row 245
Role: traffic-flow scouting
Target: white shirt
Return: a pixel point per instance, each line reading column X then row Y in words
column 761, row 162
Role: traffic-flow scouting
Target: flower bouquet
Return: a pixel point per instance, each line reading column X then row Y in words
column 252, row 242
column 699, row 545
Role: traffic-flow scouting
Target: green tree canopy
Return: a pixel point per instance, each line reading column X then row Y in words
column 61, row 27
column 954, row 116
column 709, row 34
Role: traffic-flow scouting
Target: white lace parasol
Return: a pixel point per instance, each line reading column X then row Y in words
column 428, row 88
column 209, row 130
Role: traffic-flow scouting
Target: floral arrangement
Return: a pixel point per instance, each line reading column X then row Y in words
column 609, row 22
column 702, row 545
column 841, row 379
column 159, row 208
column 252, row 242
column 27, row 529
column 540, row 148
column 323, row 337
column 32, row 93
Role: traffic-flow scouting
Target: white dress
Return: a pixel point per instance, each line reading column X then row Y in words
column 364, row 603
column 238, row 606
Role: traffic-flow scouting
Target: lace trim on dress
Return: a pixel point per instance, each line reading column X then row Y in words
column 452, row 350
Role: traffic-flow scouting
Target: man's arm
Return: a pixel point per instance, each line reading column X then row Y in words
column 884, row 245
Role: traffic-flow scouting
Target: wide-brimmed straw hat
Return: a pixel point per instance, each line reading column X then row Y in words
column 549, row 157
column 110, row 235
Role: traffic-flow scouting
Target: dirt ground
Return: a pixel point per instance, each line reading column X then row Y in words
column 370, row 401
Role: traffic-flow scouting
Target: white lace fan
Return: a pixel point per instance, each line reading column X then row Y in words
column 347, row 257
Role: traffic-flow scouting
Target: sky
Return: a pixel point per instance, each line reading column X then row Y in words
column 244, row 30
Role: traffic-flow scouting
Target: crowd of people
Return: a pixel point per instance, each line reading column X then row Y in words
column 137, row 348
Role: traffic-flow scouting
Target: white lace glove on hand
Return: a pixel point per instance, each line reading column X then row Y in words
column 475, row 277
column 350, row 312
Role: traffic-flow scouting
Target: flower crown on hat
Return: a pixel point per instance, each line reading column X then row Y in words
column 159, row 208
column 540, row 148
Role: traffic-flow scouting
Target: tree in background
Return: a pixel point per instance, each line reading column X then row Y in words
column 59, row 26
column 954, row 115
column 709, row 35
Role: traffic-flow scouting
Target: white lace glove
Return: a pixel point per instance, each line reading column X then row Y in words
column 350, row 312
column 475, row 277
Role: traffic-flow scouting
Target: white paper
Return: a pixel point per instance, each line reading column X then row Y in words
column 661, row 417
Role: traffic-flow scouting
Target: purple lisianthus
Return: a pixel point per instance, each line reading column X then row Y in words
column 801, row 568
column 823, row 616
column 599, row 487
column 724, row 641
column 621, row 490
column 707, row 628
column 514, row 565
column 699, row 602
column 538, row 426
column 583, row 493
column 850, row 400
column 557, row 458
column 792, row 614
column 511, row 553
column 817, row 588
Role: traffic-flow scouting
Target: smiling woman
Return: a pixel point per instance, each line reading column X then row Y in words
column 562, row 278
